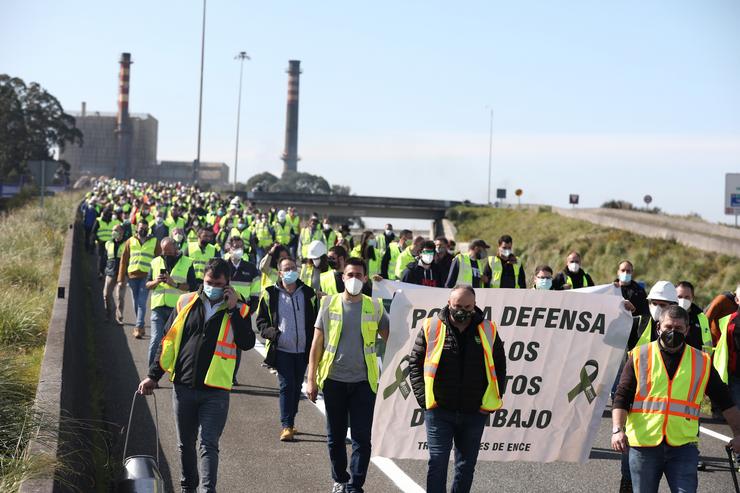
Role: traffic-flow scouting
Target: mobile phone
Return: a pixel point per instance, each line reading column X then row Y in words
column 162, row 272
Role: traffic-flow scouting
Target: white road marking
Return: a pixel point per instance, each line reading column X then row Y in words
column 714, row 434
column 386, row 466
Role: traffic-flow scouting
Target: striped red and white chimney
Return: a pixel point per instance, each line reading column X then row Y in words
column 123, row 89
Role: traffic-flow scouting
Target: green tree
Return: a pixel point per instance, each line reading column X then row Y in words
column 33, row 125
column 261, row 182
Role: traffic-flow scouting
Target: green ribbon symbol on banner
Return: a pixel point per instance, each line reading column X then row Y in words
column 585, row 385
column 400, row 383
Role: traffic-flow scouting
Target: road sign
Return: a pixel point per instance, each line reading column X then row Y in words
column 518, row 192
column 500, row 193
column 573, row 199
column 647, row 199
column 732, row 194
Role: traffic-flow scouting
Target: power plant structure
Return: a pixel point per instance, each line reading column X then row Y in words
column 290, row 155
column 124, row 145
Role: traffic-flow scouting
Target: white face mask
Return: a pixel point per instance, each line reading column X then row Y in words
column 316, row 262
column 505, row 252
column 574, row 267
column 178, row 237
column 684, row 303
column 427, row 258
column 656, row 312
column 353, row 286
column 237, row 254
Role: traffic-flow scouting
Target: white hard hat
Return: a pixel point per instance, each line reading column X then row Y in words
column 663, row 291
column 317, row 248
column 281, row 215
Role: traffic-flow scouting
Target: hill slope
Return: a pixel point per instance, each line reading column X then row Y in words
column 544, row 237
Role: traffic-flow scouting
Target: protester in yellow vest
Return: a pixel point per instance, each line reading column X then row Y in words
column 283, row 229
column 331, row 280
column 467, row 268
column 408, row 255
column 171, row 274
column 458, row 373
column 113, row 251
column 504, row 270
column 315, row 263
column 202, row 251
column 309, row 234
column 344, row 364
column 392, row 252
column 726, row 354
column 199, row 352
column 102, row 230
column 657, row 406
column 136, row 262
column 573, row 276
column 700, row 336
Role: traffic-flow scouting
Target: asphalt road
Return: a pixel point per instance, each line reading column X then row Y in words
column 252, row 458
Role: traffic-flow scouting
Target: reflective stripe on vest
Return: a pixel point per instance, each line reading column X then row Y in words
column 434, row 332
column 372, row 312
column 141, row 255
column 164, row 294
column 663, row 408
column 497, row 269
column 721, row 359
column 220, row 372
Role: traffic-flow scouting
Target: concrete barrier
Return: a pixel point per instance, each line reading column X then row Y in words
column 62, row 395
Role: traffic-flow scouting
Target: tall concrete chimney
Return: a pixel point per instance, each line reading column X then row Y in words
column 123, row 123
column 83, row 113
column 290, row 155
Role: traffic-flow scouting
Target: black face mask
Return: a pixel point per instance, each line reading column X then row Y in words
column 143, row 232
column 672, row 339
column 459, row 315
column 332, row 263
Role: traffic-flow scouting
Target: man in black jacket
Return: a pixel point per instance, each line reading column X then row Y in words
column 459, row 385
column 198, row 351
column 285, row 317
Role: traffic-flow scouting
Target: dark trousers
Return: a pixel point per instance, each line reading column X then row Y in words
column 102, row 258
column 444, row 427
column 291, row 368
column 356, row 400
column 204, row 410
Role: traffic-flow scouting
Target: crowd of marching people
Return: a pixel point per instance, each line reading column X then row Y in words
column 214, row 270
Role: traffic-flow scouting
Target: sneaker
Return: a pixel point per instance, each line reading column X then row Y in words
column 286, row 435
column 295, row 430
column 339, row 488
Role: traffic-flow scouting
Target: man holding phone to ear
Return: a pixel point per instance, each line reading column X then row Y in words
column 199, row 351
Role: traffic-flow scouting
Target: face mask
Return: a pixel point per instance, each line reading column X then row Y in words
column 505, row 252
column 574, row 266
column 388, row 231
column 460, row 315
column 160, row 220
column 440, row 250
column 237, row 254
column 427, row 258
column 327, row 226
column 353, row 286
column 240, row 225
column 213, row 293
column 143, row 232
column 656, row 312
column 290, row 277
column 684, row 303
column 196, row 223
column 672, row 339
column 372, row 243
column 625, row 277
column 116, row 235
column 316, row 262
column 178, row 237
column 481, row 255
column 332, row 263
column 543, row 283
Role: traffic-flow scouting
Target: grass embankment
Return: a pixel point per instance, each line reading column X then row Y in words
column 31, row 249
column 543, row 237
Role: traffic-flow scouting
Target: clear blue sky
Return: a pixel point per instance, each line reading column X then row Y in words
column 604, row 99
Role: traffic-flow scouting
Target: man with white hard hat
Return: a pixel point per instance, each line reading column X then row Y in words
column 315, row 263
column 644, row 330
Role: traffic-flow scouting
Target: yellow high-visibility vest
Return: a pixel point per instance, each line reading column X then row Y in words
column 666, row 409
column 434, row 332
column 372, row 312
column 105, row 229
column 721, row 358
column 220, row 372
column 164, row 294
column 282, row 232
column 141, row 256
column 465, row 269
column 200, row 258
column 497, row 269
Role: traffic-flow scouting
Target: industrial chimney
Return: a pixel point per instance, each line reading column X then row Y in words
column 123, row 123
column 290, row 156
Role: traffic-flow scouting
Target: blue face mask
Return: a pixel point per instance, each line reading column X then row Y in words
column 290, row 277
column 625, row 277
column 213, row 293
column 544, row 283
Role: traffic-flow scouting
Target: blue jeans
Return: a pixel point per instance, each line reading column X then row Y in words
column 444, row 427
column 648, row 464
column 159, row 319
column 356, row 400
column 205, row 410
column 291, row 367
column 140, row 294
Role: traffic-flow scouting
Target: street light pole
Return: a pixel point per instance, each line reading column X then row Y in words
column 490, row 155
column 196, row 166
column 241, row 57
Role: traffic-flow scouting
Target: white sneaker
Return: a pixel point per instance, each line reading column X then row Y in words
column 339, row 488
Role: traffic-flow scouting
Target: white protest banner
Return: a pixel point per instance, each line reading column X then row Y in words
column 385, row 289
column 563, row 351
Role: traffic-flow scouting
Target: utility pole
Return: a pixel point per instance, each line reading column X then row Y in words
column 490, row 155
column 196, row 164
column 241, row 57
